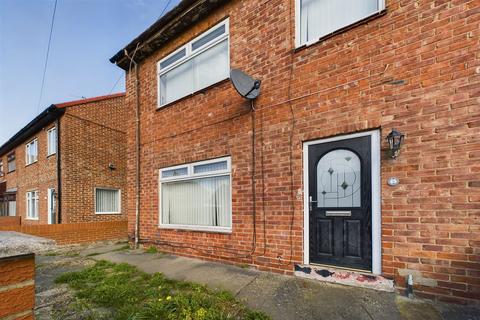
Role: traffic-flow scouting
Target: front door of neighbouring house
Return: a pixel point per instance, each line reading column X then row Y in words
column 51, row 205
column 340, row 203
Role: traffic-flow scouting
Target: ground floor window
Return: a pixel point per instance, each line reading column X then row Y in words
column 32, row 205
column 197, row 196
column 107, row 201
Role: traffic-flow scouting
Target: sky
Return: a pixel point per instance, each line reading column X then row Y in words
column 86, row 34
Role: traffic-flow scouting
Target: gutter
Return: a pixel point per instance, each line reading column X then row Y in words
column 137, row 142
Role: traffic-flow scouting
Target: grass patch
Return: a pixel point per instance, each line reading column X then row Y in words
column 151, row 250
column 51, row 254
column 130, row 294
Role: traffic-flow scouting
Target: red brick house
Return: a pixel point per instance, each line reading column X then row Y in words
column 68, row 164
column 307, row 177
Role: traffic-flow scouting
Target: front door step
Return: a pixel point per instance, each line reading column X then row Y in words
column 346, row 277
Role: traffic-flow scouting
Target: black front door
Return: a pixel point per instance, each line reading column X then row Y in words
column 340, row 203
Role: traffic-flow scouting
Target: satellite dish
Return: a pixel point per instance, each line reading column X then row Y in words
column 245, row 85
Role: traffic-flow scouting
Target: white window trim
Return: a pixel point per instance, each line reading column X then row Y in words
column 298, row 43
column 48, row 141
column 26, row 152
column 376, row 197
column 190, row 176
column 27, row 217
column 189, row 54
column 107, row 188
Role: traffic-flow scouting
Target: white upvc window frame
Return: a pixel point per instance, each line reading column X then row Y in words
column 119, row 200
column 32, row 195
column 27, row 148
column 191, row 175
column 49, row 146
column 298, row 43
column 190, row 54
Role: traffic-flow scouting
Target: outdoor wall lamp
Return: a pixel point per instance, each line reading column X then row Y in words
column 395, row 141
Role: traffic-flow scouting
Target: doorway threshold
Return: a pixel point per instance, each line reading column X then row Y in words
column 355, row 278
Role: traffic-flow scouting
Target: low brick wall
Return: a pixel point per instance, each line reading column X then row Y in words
column 75, row 233
column 10, row 221
column 17, row 287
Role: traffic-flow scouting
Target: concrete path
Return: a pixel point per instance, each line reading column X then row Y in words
column 285, row 297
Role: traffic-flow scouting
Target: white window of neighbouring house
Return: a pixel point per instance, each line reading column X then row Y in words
column 52, row 141
column 197, row 196
column 31, row 152
column 1, row 168
column 32, row 205
column 318, row 18
column 107, row 201
column 11, row 165
column 198, row 64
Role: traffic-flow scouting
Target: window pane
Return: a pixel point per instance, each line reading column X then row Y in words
column 52, row 141
column 211, row 66
column 321, row 17
column 175, row 172
column 209, row 167
column 107, row 201
column 177, row 56
column 338, row 179
column 176, row 83
column 201, row 202
column 209, row 37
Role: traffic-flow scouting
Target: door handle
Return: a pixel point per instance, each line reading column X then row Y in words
column 310, row 202
column 338, row 213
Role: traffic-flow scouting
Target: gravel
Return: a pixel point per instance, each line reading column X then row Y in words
column 15, row 243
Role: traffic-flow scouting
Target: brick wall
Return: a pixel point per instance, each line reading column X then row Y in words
column 93, row 136
column 75, row 233
column 17, row 287
column 39, row 176
column 10, row 221
column 345, row 84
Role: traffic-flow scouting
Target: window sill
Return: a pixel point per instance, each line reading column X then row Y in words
column 29, row 164
column 193, row 94
column 32, row 219
column 107, row 213
column 11, row 171
column 52, row 154
column 341, row 30
column 196, row 228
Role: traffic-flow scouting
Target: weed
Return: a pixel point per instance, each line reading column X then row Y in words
column 151, row 250
column 128, row 293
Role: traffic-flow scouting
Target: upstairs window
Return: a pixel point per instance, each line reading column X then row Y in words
column 11, row 165
column 198, row 64
column 31, row 152
column 1, row 168
column 32, row 205
column 318, row 18
column 52, row 141
column 197, row 196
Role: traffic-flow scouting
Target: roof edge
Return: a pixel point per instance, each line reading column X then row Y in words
column 46, row 117
column 88, row 100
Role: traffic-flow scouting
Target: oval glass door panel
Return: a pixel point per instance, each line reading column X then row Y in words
column 339, row 180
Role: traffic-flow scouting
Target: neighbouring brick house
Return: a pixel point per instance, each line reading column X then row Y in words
column 68, row 164
column 323, row 188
